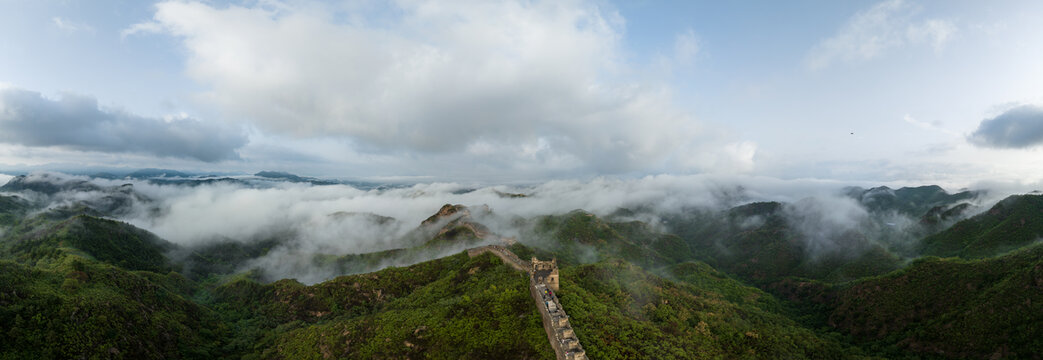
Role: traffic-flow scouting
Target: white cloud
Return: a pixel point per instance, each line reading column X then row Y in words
column 337, row 220
column 927, row 125
column 921, row 124
column 191, row 215
column 935, row 32
column 71, row 26
column 741, row 155
column 686, row 46
column 870, row 33
column 145, row 27
column 542, row 82
column 732, row 158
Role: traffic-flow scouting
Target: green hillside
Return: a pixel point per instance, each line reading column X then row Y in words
column 620, row 311
column 451, row 308
column 910, row 201
column 581, row 237
column 12, row 208
column 1010, row 224
column 79, row 308
column 95, row 288
column 987, row 308
column 757, row 243
column 74, row 285
column 108, row 241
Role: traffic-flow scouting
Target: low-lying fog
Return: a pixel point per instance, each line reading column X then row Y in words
column 332, row 219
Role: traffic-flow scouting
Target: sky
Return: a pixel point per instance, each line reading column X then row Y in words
column 897, row 91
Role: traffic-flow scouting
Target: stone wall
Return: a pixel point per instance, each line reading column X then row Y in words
column 543, row 285
column 546, row 272
column 508, row 257
column 556, row 323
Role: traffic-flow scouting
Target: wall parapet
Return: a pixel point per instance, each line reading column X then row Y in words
column 543, row 283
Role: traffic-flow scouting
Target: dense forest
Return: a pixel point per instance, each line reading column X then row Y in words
column 741, row 282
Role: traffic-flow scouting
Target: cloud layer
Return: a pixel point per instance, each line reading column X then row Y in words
column 338, row 219
column 887, row 25
column 541, row 82
column 76, row 122
column 1017, row 128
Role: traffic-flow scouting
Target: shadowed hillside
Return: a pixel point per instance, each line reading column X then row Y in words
column 758, row 242
column 989, row 308
column 451, row 308
column 1012, row 223
column 42, row 237
column 623, row 312
column 910, row 201
column 79, row 308
column 633, row 289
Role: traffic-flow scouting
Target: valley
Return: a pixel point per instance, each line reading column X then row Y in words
column 748, row 281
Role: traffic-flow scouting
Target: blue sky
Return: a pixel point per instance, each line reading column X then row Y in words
column 946, row 92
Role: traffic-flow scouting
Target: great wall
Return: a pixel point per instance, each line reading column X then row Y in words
column 543, row 284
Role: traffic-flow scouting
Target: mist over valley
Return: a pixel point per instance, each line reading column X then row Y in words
column 803, row 248
column 521, row 179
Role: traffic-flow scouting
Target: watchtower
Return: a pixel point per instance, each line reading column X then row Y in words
column 546, row 272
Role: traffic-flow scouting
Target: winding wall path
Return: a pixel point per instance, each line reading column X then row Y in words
column 559, row 330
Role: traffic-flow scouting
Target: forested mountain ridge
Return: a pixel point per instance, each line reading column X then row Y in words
column 1010, row 224
column 749, row 281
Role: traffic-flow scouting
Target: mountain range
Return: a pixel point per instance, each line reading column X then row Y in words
column 913, row 273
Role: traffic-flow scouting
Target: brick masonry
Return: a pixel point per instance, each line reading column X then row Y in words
column 543, row 285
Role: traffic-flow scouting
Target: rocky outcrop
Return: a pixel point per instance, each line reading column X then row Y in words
column 455, row 222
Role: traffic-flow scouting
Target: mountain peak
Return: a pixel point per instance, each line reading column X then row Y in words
column 279, row 175
column 157, row 173
column 445, row 212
